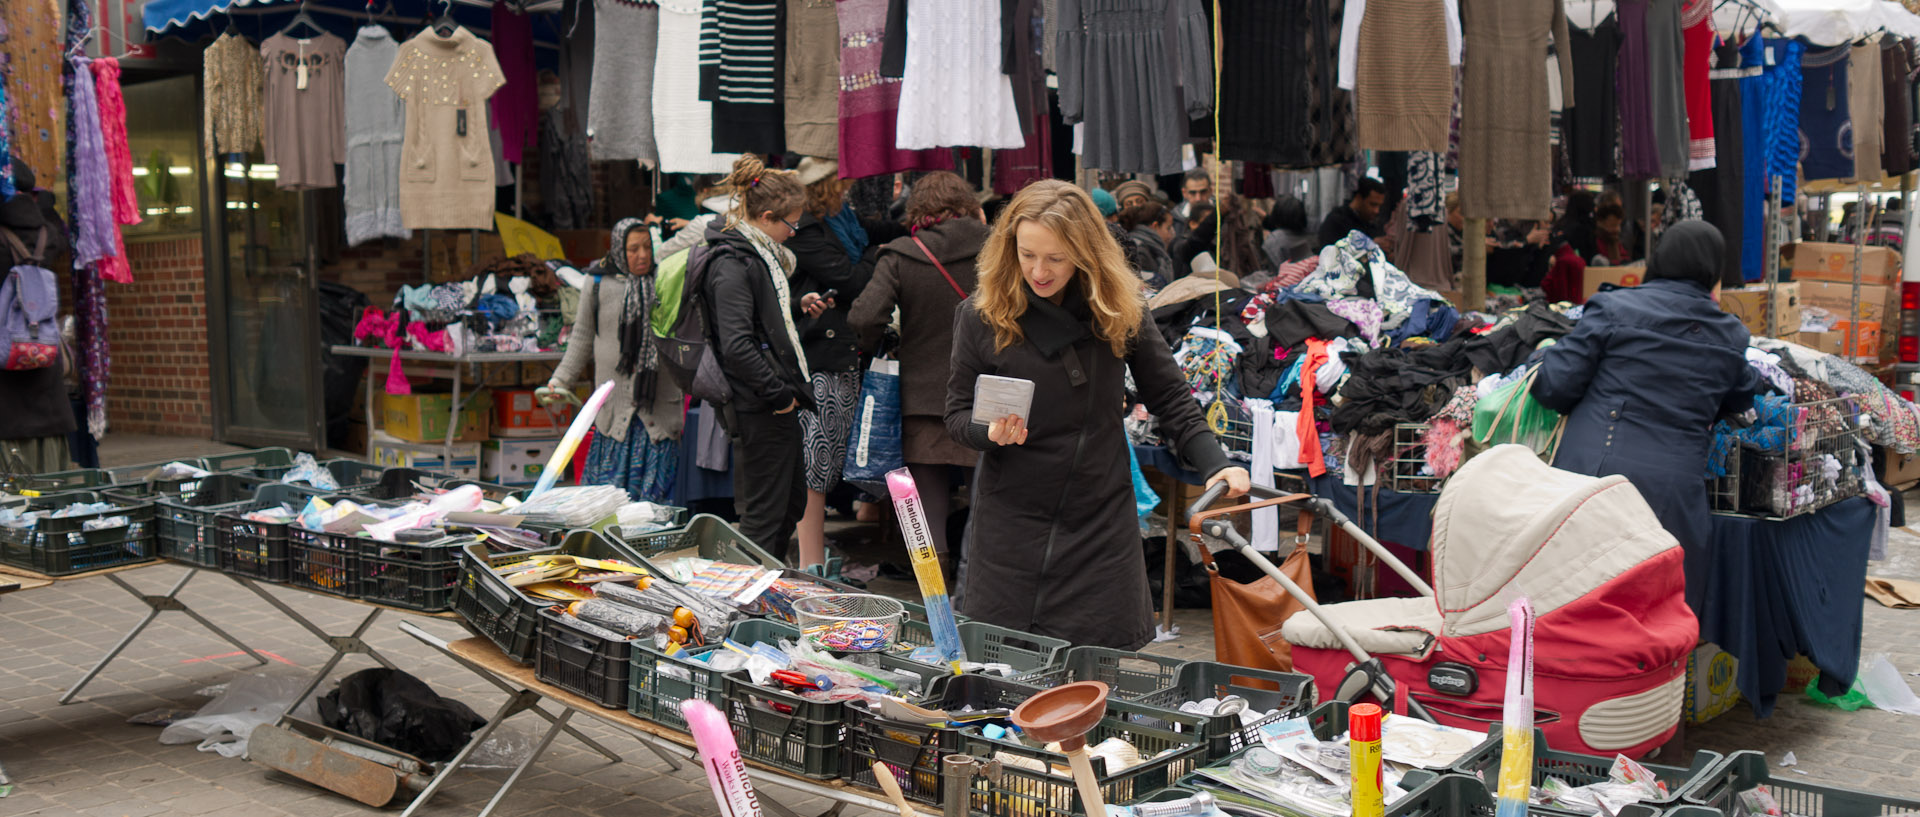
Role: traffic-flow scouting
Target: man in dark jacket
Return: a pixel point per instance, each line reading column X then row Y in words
column 755, row 341
column 1362, row 212
column 1642, row 377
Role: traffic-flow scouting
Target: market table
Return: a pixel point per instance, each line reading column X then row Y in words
column 482, row 364
column 1764, row 590
column 481, row 657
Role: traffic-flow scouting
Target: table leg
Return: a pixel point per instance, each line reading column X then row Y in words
column 514, row 704
column 538, row 749
column 453, row 422
column 155, row 606
column 437, row 643
column 1175, row 501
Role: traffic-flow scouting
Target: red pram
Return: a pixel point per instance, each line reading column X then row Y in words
column 1613, row 628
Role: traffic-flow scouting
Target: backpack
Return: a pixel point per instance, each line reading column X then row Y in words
column 29, row 309
column 686, row 347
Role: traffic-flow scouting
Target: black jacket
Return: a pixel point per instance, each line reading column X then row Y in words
column 750, row 334
column 33, row 402
column 1340, row 221
column 1053, row 545
column 821, row 264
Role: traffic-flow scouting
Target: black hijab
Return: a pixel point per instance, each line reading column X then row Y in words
column 1688, row 251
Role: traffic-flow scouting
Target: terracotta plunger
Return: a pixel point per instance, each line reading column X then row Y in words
column 1064, row 715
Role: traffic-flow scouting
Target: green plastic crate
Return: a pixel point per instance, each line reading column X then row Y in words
column 1744, row 770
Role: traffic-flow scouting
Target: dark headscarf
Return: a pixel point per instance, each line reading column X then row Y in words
column 1688, row 251
column 638, row 357
column 28, row 210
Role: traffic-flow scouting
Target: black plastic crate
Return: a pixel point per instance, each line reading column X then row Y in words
column 706, row 536
column 80, row 479
column 1285, row 694
column 63, row 546
column 254, row 549
column 491, row 491
column 352, row 473
column 1457, row 795
column 1483, row 764
column 659, row 682
column 400, row 484
column 989, row 644
column 1744, row 770
column 417, row 576
column 132, row 477
column 784, row 730
column 506, row 616
column 581, row 662
column 184, row 513
column 912, row 751
column 322, row 561
column 1034, row 782
column 1129, row 676
column 268, row 463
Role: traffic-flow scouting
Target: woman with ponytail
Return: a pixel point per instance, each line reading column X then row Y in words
column 758, row 344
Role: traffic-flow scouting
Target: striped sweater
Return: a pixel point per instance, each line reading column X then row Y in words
column 742, row 51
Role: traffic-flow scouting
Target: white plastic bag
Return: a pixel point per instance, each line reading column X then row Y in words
column 225, row 723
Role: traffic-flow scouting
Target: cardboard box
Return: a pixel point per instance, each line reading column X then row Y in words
column 1877, row 302
column 517, row 413
column 390, row 452
column 1814, row 261
column 1618, row 276
column 1710, row 691
column 1895, row 468
column 422, row 417
column 516, row 462
column 1867, row 346
column 1749, row 304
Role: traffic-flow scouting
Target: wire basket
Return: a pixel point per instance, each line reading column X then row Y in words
column 1409, row 473
column 1819, row 464
column 849, row 622
column 1232, row 424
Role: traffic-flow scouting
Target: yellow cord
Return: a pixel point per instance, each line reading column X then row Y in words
column 1217, row 412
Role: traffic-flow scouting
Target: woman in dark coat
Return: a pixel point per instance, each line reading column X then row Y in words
column 945, row 216
column 1053, row 543
column 1643, row 376
column 35, row 416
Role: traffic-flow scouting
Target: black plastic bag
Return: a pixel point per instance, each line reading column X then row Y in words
column 399, row 711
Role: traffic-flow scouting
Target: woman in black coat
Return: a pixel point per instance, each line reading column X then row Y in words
column 754, row 314
column 1053, row 543
column 1643, row 376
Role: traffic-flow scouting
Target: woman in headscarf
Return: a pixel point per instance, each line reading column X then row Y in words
column 1645, row 373
column 636, row 438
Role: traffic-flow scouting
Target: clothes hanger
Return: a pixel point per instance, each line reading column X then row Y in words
column 302, row 18
column 445, row 26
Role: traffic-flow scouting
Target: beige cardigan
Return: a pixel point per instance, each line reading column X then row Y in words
column 596, row 335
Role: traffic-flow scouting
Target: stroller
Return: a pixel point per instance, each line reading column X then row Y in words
column 1612, row 630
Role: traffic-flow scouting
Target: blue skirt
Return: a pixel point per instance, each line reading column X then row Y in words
column 645, row 468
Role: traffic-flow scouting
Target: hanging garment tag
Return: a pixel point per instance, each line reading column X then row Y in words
column 300, row 76
column 460, row 122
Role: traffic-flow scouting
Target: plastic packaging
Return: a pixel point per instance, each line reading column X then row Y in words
column 619, row 617
column 248, row 701
column 306, row 469
column 926, row 565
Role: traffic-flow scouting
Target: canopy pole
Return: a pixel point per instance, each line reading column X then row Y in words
column 1852, row 337
column 1473, row 265
column 1770, row 249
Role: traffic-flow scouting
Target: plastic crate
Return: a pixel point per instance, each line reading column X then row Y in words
column 581, row 662
column 676, row 519
column 1031, row 792
column 1456, row 795
column 987, row 644
column 1744, row 770
column 417, row 576
column 322, row 561
column 506, row 616
column 1285, row 694
column 784, row 730
column 258, row 550
column 1129, row 676
column 491, row 491
column 129, row 476
column 912, row 751
column 184, row 512
column 706, row 536
column 659, row 682
column 399, row 484
column 63, row 546
column 352, row 473
column 268, row 463
column 1483, row 763
column 60, row 481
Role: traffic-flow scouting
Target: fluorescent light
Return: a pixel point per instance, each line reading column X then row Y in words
column 139, row 171
column 179, row 170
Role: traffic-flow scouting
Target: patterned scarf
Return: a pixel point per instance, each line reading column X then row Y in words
column 779, row 261
column 6, row 154
column 638, row 356
column 90, row 301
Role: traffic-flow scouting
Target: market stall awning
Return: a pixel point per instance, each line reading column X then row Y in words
column 188, row 17
column 1823, row 23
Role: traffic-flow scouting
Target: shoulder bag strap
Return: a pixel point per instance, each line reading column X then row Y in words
column 941, row 267
column 19, row 249
column 1304, row 531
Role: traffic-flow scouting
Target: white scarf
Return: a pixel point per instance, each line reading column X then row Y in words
column 779, row 261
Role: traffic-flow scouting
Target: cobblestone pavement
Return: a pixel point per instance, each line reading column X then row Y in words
column 85, row 759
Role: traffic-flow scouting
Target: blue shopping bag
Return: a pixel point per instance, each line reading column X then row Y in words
column 873, row 444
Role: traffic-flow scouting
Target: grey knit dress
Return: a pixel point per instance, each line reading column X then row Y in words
column 620, row 111
column 1119, row 63
column 1665, row 46
column 375, row 128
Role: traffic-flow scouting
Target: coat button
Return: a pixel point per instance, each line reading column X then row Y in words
column 1615, row 414
column 829, row 333
column 1074, row 373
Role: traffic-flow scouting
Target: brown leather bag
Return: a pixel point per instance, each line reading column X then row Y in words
column 1247, row 617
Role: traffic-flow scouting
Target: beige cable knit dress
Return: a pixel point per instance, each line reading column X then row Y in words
column 446, row 160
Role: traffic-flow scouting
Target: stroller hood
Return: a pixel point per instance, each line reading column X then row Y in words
column 1526, row 527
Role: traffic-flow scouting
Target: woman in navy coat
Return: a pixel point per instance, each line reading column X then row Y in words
column 1644, row 374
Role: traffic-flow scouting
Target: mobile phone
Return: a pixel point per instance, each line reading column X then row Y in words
column 995, row 397
column 829, row 294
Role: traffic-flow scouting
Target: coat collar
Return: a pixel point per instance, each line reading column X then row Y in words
column 1052, row 327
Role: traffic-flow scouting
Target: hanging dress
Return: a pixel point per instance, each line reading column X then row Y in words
column 446, row 162
column 1125, row 67
column 1826, row 129
column 1696, row 31
column 620, row 106
column 1865, row 108
column 1592, row 125
column 376, row 126
column 869, row 103
column 687, row 146
column 953, row 92
column 1506, row 160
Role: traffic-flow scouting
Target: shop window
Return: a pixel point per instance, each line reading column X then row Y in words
column 165, row 144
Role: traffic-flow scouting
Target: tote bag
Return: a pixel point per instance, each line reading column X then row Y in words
column 1247, row 617
column 873, row 443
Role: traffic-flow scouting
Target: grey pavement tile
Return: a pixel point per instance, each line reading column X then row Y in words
column 129, row 808
column 211, row 797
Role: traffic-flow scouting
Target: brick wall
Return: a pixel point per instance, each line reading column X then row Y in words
column 157, row 328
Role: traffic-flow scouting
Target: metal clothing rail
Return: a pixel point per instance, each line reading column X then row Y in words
column 484, row 659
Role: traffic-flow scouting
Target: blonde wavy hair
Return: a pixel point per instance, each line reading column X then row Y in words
column 1100, row 268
